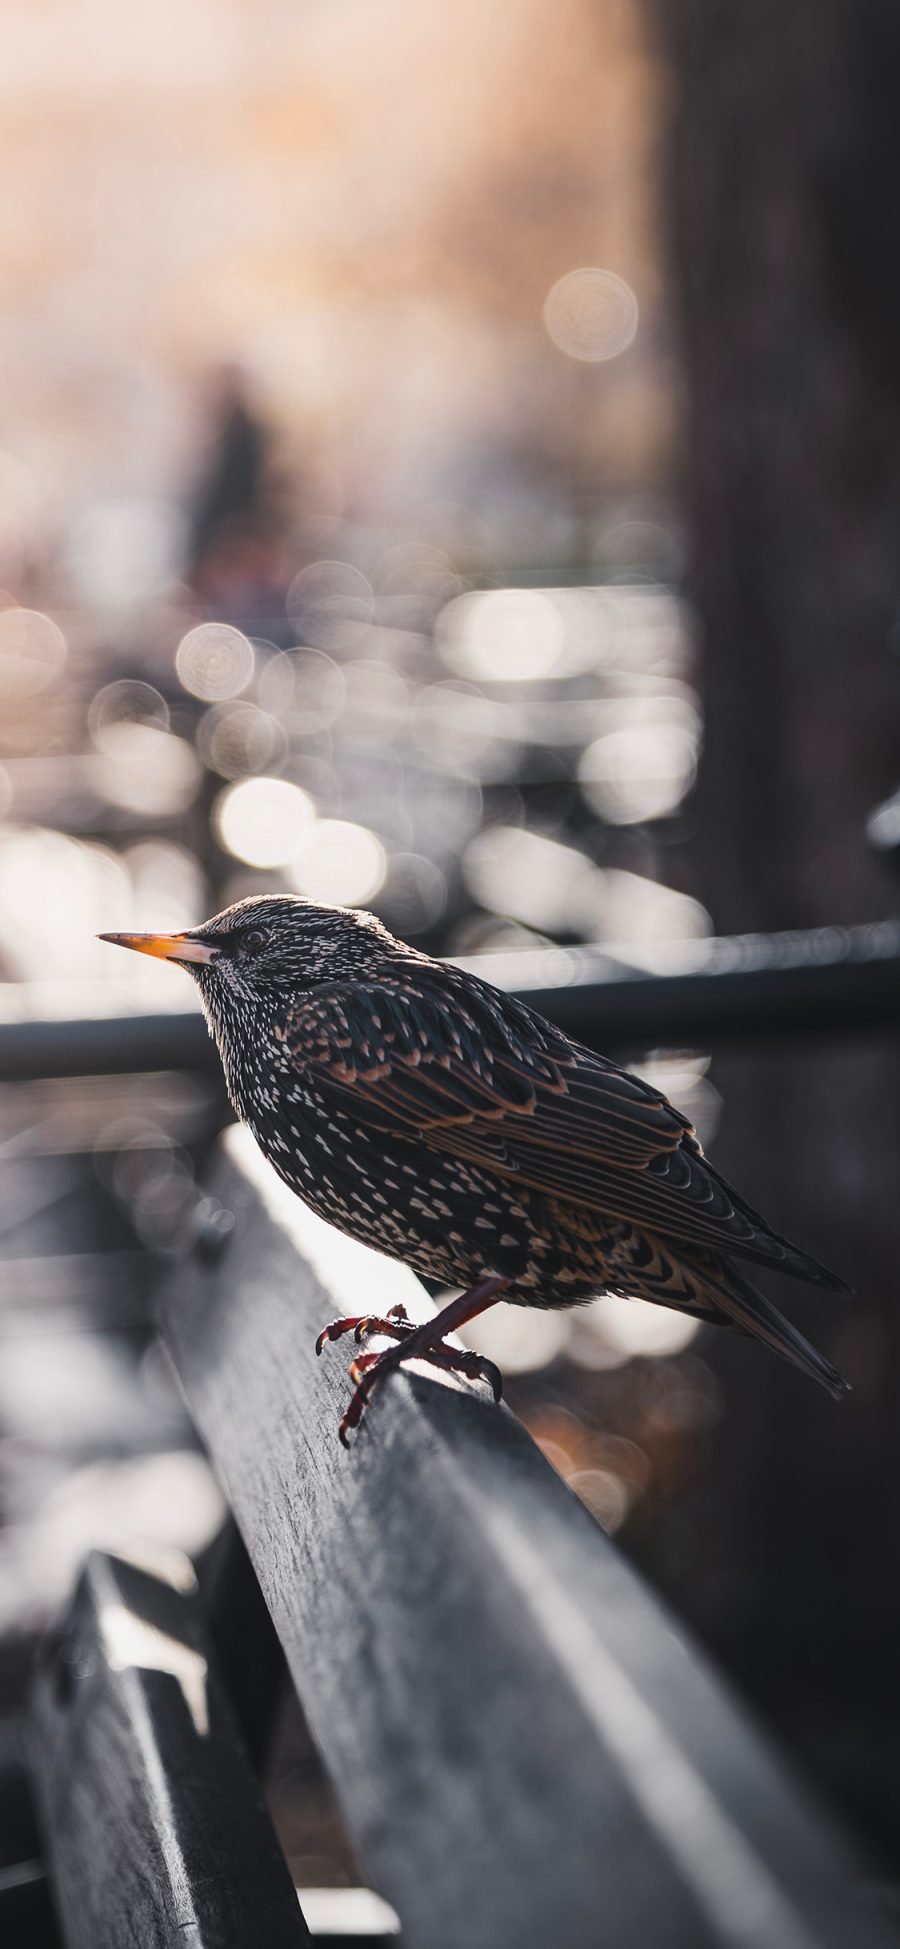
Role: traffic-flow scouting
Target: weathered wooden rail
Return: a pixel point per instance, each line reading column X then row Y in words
column 156, row 1830
column 526, row 1750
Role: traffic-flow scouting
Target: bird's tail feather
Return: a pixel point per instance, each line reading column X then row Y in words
column 801, row 1265
column 749, row 1310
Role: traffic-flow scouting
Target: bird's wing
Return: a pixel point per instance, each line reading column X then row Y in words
column 429, row 1053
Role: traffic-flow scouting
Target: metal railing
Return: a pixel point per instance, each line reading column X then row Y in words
column 742, row 988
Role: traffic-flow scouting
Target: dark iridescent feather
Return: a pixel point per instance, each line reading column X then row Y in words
column 484, row 1078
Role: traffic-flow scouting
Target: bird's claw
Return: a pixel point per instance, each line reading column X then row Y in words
column 394, row 1325
column 461, row 1360
column 480, row 1368
column 361, row 1366
column 333, row 1331
column 367, row 1368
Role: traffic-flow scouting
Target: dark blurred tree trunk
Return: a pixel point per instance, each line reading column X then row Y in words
column 784, row 187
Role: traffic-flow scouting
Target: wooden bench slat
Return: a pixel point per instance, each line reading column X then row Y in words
column 526, row 1750
column 154, row 1826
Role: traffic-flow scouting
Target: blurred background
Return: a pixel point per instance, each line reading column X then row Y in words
column 450, row 463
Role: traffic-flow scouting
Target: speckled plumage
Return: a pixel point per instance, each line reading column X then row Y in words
column 448, row 1125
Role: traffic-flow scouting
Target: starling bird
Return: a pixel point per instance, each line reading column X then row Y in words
column 448, row 1125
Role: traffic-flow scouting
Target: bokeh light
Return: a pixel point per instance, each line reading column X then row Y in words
column 304, row 688
column 75, row 881
column 605, row 1494
column 637, row 1330
column 415, row 893
column 330, row 604
column 341, row 864
column 531, row 877
column 520, row 1340
column 644, row 769
column 127, row 701
column 145, row 769
column 263, row 821
column 237, row 738
column 641, row 912
column 32, row 653
column 507, row 635
column 167, row 883
column 591, row 315
column 214, row 661
column 556, row 888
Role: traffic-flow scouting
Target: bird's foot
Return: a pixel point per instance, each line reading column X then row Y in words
column 369, row 1368
column 394, row 1326
column 461, row 1360
column 454, row 1360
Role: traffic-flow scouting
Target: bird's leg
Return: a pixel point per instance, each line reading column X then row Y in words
column 423, row 1343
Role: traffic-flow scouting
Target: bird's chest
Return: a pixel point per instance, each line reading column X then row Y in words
column 319, row 1150
column 308, row 1142
column 373, row 1184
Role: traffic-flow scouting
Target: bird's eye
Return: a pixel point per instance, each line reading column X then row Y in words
column 257, row 937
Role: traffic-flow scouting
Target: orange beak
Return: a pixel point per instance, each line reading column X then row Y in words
column 167, row 947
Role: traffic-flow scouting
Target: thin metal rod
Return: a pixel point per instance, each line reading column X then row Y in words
column 743, row 989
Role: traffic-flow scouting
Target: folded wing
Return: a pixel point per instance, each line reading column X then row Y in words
column 428, row 1052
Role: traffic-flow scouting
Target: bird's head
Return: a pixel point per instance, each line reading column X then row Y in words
column 271, row 945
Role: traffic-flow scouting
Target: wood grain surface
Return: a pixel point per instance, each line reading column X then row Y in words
column 153, row 1824
column 526, row 1749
